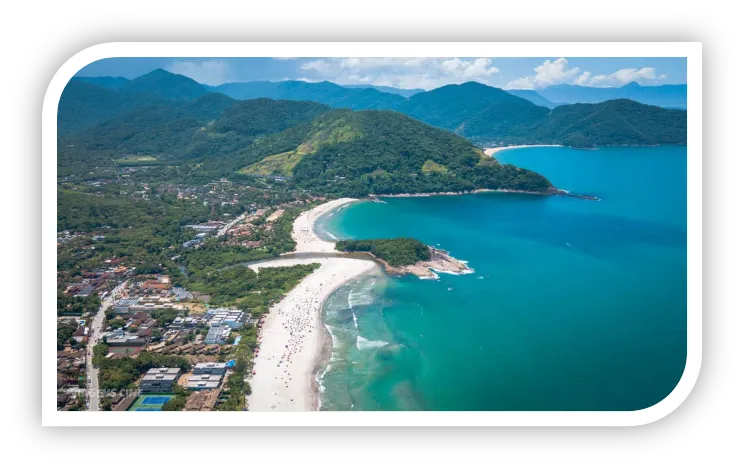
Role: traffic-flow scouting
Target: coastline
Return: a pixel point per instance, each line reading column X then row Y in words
column 466, row 192
column 498, row 149
column 293, row 341
column 303, row 229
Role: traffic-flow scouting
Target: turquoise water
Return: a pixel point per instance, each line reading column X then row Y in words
column 574, row 304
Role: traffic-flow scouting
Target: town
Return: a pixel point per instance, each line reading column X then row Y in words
column 145, row 327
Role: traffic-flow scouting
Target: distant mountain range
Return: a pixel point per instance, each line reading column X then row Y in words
column 669, row 96
column 389, row 89
column 483, row 114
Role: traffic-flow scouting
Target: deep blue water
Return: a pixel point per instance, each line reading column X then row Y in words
column 574, row 304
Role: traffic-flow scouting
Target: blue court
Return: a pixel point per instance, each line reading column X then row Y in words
column 155, row 400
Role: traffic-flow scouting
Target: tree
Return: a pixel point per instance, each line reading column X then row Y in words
column 176, row 403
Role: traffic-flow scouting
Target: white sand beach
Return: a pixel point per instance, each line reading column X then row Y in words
column 303, row 232
column 492, row 151
column 292, row 336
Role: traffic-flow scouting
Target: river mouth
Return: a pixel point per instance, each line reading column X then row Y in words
column 318, row 255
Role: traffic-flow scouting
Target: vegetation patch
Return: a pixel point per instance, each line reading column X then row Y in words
column 430, row 167
column 396, row 252
column 276, row 164
column 138, row 161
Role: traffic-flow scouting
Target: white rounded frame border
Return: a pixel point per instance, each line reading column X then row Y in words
column 691, row 50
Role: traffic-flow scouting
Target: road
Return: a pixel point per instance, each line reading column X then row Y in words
column 94, row 337
column 232, row 223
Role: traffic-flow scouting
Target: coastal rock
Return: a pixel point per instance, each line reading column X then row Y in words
column 441, row 261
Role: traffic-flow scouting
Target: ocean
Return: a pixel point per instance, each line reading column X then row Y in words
column 574, row 304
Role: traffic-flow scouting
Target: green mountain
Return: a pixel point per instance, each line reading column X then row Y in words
column 533, row 96
column 325, row 92
column 385, row 152
column 110, row 82
column 491, row 116
column 669, row 96
column 212, row 125
column 324, row 150
column 389, row 89
column 473, row 110
column 617, row 122
column 82, row 105
column 165, row 84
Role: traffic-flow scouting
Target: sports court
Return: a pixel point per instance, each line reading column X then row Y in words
column 150, row 402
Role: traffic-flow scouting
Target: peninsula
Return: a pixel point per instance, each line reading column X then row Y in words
column 401, row 256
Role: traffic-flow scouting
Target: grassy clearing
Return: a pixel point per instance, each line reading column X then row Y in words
column 430, row 167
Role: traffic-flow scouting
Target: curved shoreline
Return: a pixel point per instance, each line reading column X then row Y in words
column 293, row 337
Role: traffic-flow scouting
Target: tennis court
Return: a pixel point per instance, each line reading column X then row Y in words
column 155, row 400
column 150, row 402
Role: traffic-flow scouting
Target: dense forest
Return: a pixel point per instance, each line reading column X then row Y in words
column 396, row 252
column 483, row 114
column 328, row 152
column 239, row 285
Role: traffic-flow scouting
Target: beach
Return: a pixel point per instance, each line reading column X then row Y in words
column 292, row 337
column 492, row 151
column 302, row 230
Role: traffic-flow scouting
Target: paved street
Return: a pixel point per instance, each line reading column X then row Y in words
column 94, row 337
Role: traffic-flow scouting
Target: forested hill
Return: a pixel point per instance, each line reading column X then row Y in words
column 385, row 152
column 323, row 150
column 616, row 122
column 325, row 93
column 483, row 114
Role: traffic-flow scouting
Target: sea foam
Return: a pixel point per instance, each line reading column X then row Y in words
column 364, row 343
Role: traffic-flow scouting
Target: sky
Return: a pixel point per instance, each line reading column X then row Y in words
column 424, row 73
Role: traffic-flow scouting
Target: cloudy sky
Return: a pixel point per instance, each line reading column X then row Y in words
column 426, row 73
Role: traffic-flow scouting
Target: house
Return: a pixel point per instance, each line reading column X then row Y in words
column 159, row 380
column 214, row 368
column 218, row 335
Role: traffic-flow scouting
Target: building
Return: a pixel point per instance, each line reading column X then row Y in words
column 204, row 382
column 181, row 294
column 123, row 306
column 159, row 380
column 214, row 368
column 119, row 337
column 234, row 318
column 183, row 322
column 202, row 401
column 218, row 335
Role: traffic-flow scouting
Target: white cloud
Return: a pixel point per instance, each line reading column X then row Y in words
column 319, row 66
column 427, row 73
column 209, row 72
column 546, row 74
column 625, row 76
column 559, row 72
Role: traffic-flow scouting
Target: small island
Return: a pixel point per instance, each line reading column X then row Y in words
column 404, row 255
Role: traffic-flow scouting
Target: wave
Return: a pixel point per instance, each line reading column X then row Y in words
column 333, row 337
column 364, row 343
column 356, row 324
column 454, row 273
column 321, row 388
column 360, row 297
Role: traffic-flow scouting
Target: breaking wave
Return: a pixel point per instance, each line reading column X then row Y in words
column 364, row 343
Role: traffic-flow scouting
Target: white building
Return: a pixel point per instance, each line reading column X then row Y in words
column 218, row 335
column 214, row 368
column 159, row 380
